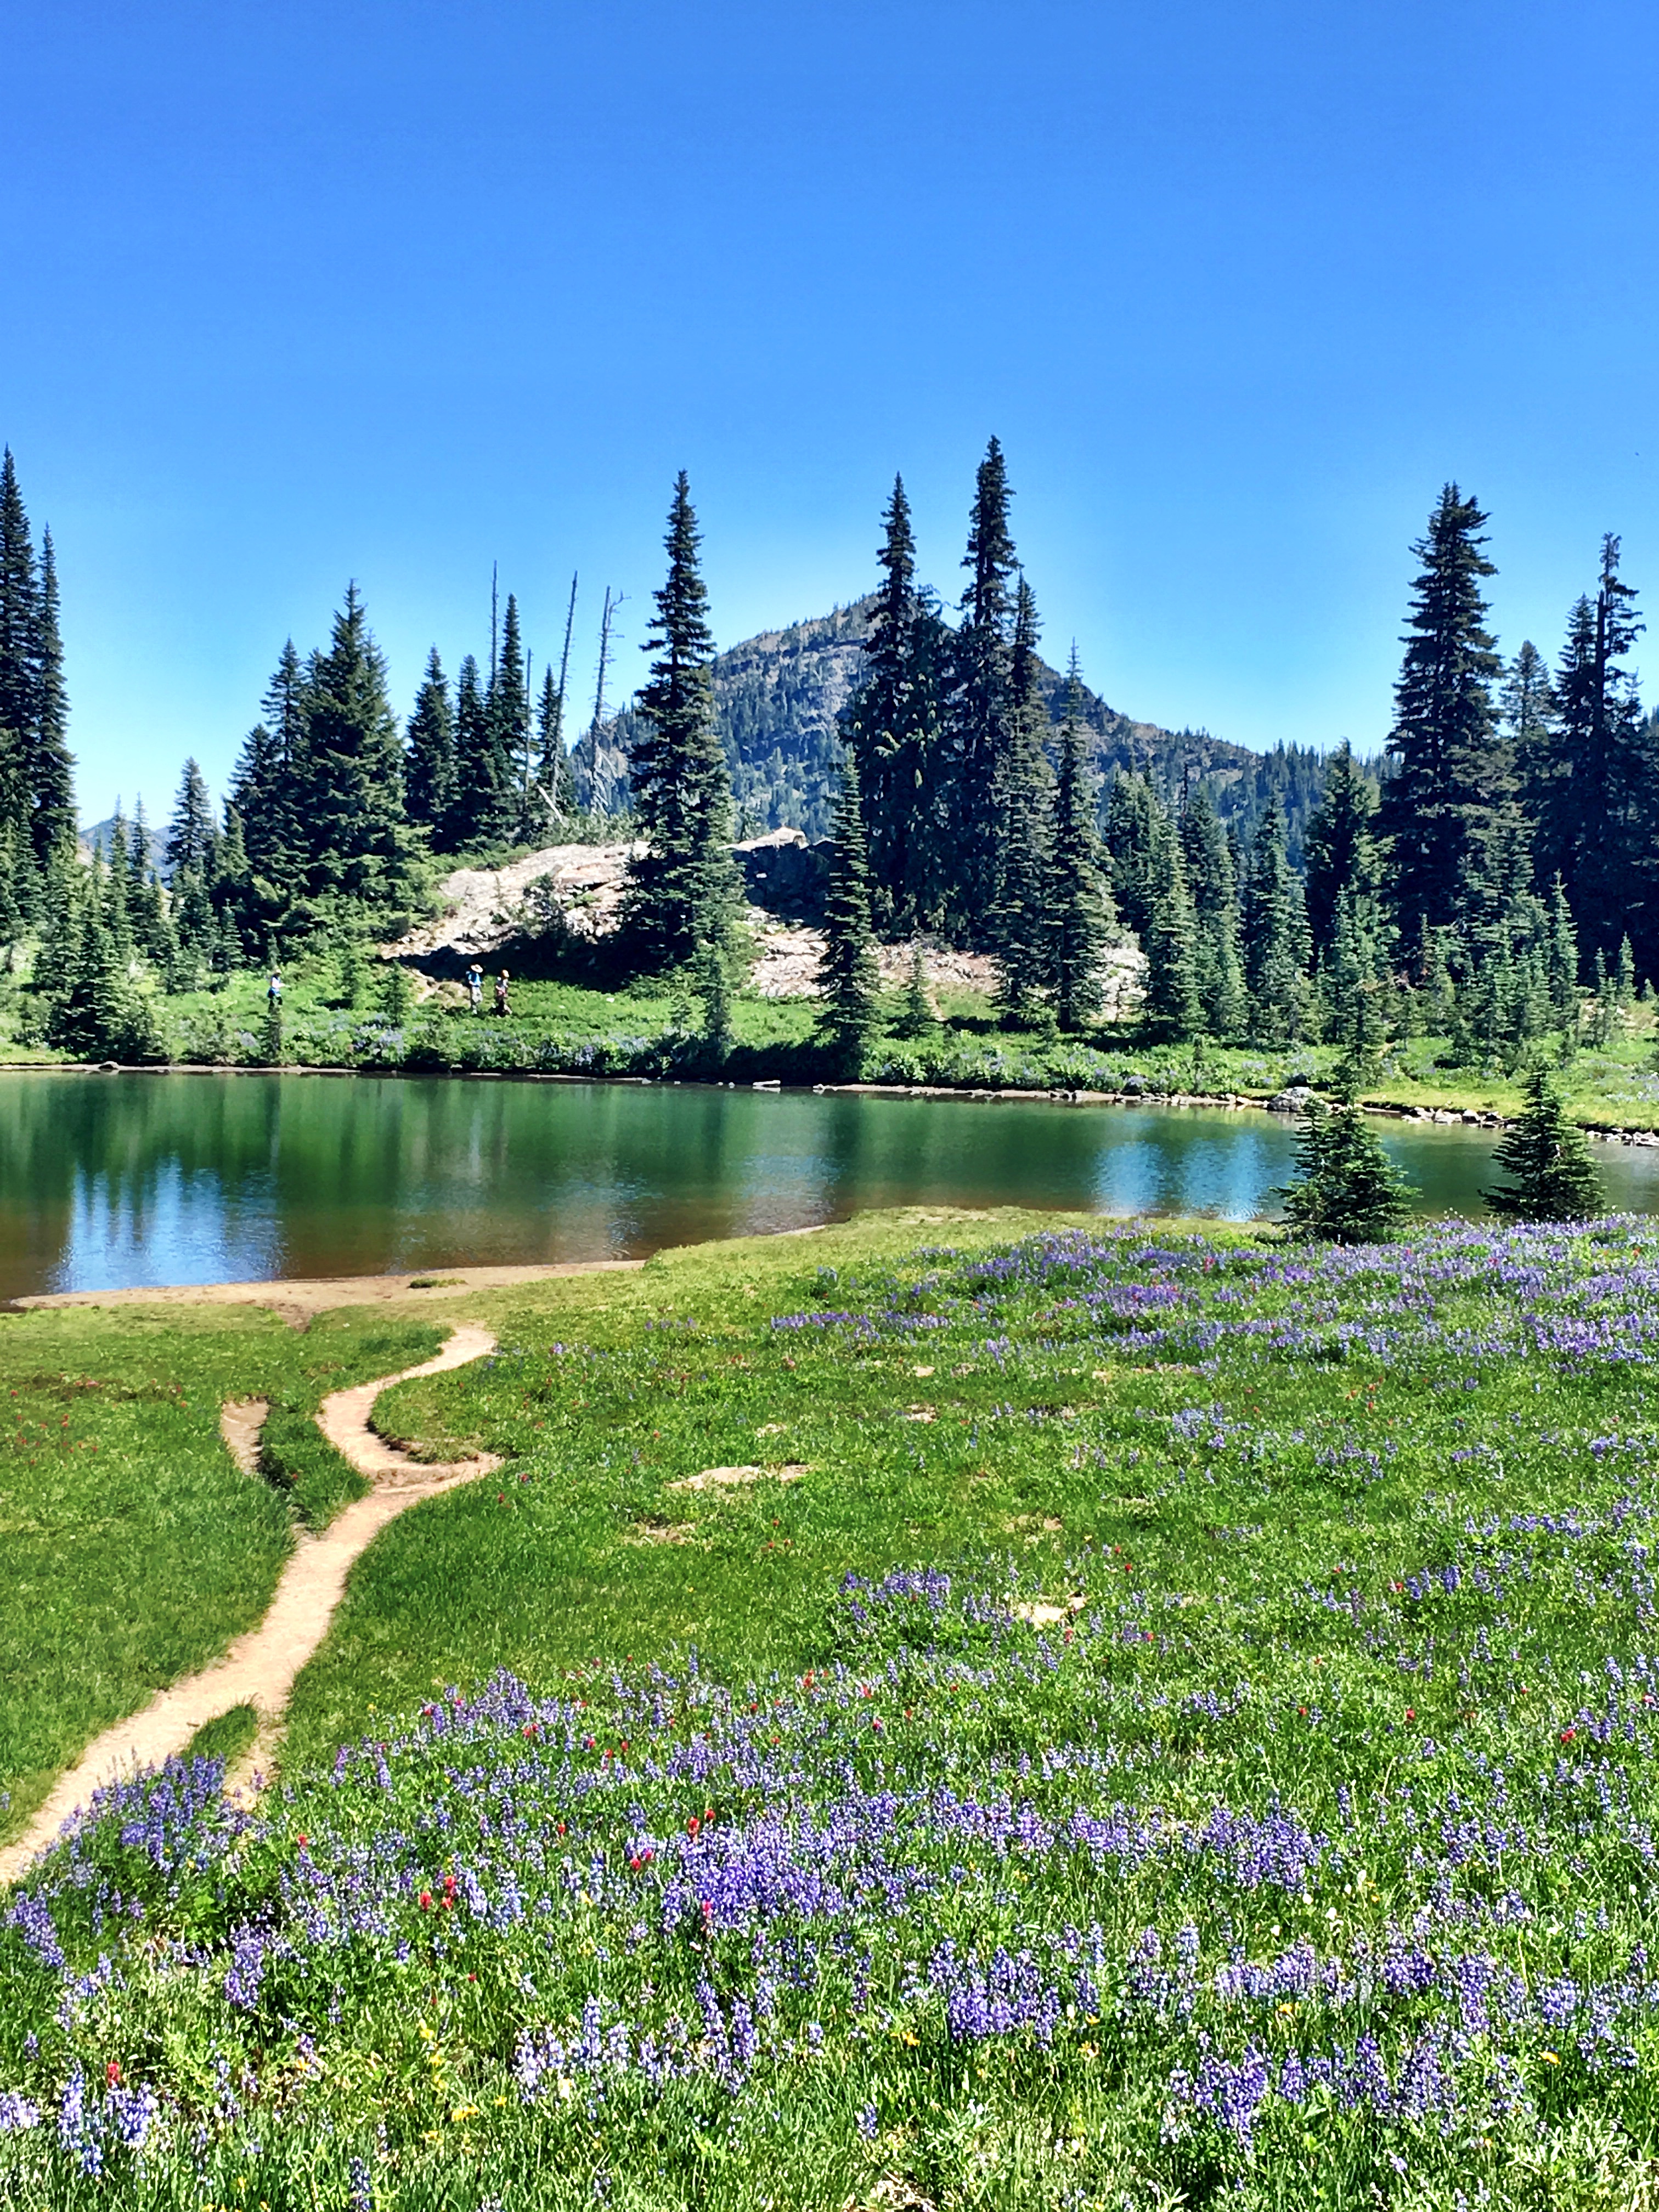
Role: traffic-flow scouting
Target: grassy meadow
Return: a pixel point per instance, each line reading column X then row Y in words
column 134, row 1548
column 1161, row 1719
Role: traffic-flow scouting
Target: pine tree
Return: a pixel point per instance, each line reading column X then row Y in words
column 51, row 770
column 509, row 716
column 1171, row 1007
column 359, row 847
column 18, row 627
column 1453, row 782
column 429, row 750
column 1136, row 826
column 190, row 833
column 1563, row 959
column 1528, row 706
column 1595, row 786
column 1551, row 1175
column 851, row 978
column 683, row 892
column 983, row 703
column 1020, row 929
column 95, row 1010
column 916, row 1014
column 1345, row 1190
column 1208, row 859
column 485, row 806
column 892, row 724
column 1078, row 904
column 1351, row 986
column 267, row 790
column 1275, row 937
column 1339, row 848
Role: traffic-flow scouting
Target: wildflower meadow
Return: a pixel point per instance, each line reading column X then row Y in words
column 1143, row 1718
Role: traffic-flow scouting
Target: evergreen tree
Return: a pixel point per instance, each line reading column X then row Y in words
column 851, row 977
column 267, row 792
column 684, row 893
column 1551, row 1175
column 485, row 804
column 1136, row 826
column 117, row 918
column 1345, row 1190
column 1078, row 904
column 1563, row 959
column 916, row 1014
column 359, row 847
column 1595, row 786
column 509, row 716
column 1210, row 877
column 1352, row 989
column 983, row 701
column 429, row 750
column 1528, row 702
column 190, row 833
column 228, row 892
column 892, row 725
column 52, row 770
column 1339, row 851
column 1021, row 929
column 1275, row 937
column 19, row 622
column 1453, row 782
column 1171, row 1007
column 93, row 1009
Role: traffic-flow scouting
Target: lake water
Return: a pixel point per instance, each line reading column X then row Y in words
column 111, row 1181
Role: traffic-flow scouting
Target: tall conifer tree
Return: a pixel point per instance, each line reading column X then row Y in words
column 1338, row 847
column 982, row 704
column 1275, row 937
column 683, row 892
column 1021, row 934
column 359, row 843
column 189, row 834
column 51, row 769
column 1079, row 906
column 851, row 978
column 429, row 750
column 1453, row 779
column 1214, row 888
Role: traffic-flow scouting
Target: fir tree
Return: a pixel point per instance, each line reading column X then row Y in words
column 429, row 750
column 19, row 624
column 1562, row 964
column 1527, row 703
column 982, row 702
column 1275, row 937
column 190, row 833
column 555, row 778
column 916, row 1014
column 1596, row 789
column 683, row 892
column 1170, row 1007
column 1021, row 929
column 1351, row 985
column 485, row 806
column 510, row 717
column 851, row 978
column 1551, row 1176
column 1208, row 859
column 95, row 1010
column 359, row 847
column 51, row 769
column 1345, row 1190
column 1453, row 779
column 1339, row 851
column 892, row 725
column 1136, row 826
column 1078, row 904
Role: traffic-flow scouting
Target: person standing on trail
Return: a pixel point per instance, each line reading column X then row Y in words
column 501, row 1007
column 274, row 992
column 475, row 986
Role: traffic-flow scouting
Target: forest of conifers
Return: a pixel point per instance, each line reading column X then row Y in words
column 1490, row 878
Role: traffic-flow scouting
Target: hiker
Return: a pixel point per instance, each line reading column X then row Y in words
column 475, row 986
column 501, row 1007
column 274, row 992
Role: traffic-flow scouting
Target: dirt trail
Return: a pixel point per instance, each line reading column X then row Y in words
column 260, row 1667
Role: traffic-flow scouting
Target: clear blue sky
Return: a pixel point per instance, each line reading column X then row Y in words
column 299, row 292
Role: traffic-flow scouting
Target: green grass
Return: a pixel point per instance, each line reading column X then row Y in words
column 134, row 1548
column 1360, row 1549
column 225, row 1737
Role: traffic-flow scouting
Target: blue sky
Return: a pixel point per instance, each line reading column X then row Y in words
column 302, row 292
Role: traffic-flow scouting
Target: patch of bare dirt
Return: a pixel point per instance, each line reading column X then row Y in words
column 241, row 1421
column 731, row 1477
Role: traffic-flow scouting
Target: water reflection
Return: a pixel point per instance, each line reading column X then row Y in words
column 108, row 1181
